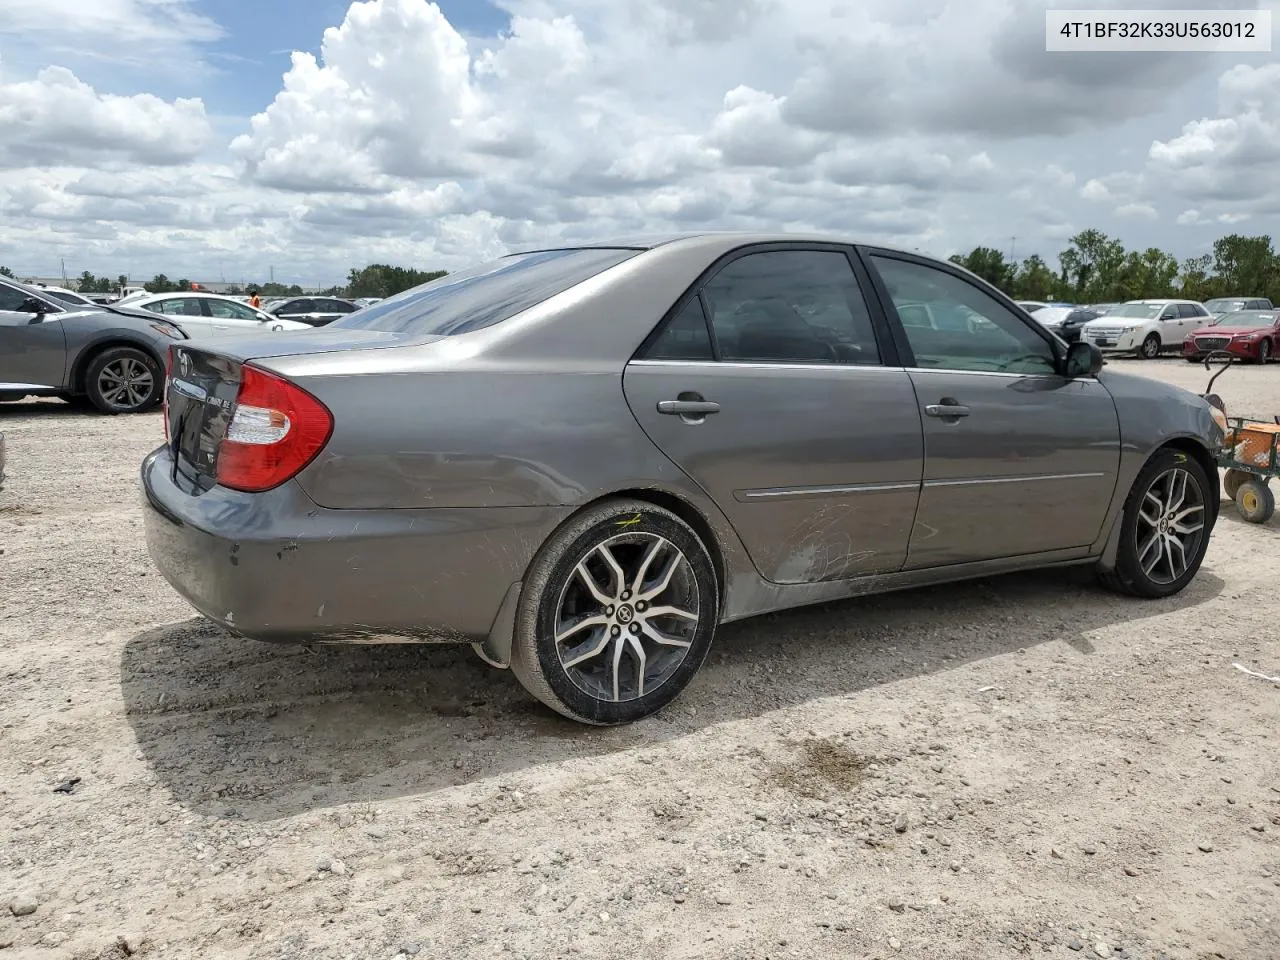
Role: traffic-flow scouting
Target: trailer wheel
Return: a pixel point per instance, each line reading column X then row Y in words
column 1255, row 501
column 1231, row 482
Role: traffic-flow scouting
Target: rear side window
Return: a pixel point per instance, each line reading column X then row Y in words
column 482, row 296
column 685, row 338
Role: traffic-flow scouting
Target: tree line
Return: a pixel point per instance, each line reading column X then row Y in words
column 1096, row 268
column 1093, row 268
column 375, row 280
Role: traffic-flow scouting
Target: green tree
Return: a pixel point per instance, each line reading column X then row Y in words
column 1196, row 281
column 88, row 282
column 382, row 280
column 989, row 264
column 1091, row 265
column 1034, row 280
column 6, row 272
column 122, row 281
column 1143, row 275
column 1245, row 266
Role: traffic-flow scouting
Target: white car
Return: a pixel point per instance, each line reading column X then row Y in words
column 211, row 315
column 1051, row 317
column 1145, row 328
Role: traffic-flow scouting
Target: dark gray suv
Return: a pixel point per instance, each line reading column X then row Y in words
column 110, row 357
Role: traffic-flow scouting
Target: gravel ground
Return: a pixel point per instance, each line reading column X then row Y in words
column 1016, row 766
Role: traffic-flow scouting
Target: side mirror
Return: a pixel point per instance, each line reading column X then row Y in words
column 32, row 305
column 1083, row 360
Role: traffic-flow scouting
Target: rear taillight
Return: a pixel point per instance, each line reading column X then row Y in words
column 164, row 397
column 276, row 430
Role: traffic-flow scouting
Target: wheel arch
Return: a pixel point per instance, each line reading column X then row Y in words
column 496, row 648
column 1192, row 447
column 76, row 381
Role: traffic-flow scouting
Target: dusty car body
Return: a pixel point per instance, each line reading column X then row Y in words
column 583, row 461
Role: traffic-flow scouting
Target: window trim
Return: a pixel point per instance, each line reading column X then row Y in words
column 51, row 305
column 1057, row 347
column 881, row 329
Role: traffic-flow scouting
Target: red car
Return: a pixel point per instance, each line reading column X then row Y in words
column 1249, row 334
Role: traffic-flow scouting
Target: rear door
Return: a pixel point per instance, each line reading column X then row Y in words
column 33, row 347
column 1191, row 317
column 775, row 387
column 300, row 309
column 1018, row 458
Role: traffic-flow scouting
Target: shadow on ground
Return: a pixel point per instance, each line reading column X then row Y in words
column 238, row 728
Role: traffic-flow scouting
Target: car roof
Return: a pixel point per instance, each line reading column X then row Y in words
column 729, row 239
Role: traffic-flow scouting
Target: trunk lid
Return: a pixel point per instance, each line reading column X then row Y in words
column 204, row 380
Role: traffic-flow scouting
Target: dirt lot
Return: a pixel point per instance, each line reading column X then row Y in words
column 1017, row 766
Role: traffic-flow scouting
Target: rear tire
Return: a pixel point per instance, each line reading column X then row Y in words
column 1169, row 501
column 124, row 380
column 604, row 585
column 1150, row 348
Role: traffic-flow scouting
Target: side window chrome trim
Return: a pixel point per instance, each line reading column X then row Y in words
column 765, row 365
column 995, row 373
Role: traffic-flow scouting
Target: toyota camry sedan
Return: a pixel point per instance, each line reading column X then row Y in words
column 584, row 460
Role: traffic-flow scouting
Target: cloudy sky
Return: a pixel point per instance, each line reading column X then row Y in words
column 217, row 138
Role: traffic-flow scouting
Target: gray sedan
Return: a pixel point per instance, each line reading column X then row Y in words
column 584, row 460
column 109, row 357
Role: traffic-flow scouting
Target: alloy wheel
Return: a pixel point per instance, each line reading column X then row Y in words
column 1170, row 525
column 1151, row 348
column 126, row 383
column 627, row 616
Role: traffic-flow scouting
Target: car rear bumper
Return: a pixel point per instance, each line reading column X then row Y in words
column 276, row 567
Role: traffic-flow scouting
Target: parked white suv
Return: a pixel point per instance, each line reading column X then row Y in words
column 1145, row 328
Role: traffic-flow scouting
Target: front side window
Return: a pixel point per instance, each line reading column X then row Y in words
column 293, row 307
column 484, row 295
column 176, row 307
column 967, row 329
column 791, row 306
column 11, row 298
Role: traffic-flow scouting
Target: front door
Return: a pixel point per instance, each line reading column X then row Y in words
column 773, row 388
column 186, row 313
column 33, row 346
column 1018, row 458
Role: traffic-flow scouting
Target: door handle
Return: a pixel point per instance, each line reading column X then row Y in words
column 685, row 408
column 947, row 409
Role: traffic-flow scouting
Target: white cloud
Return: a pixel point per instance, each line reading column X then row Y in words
column 941, row 126
column 1137, row 210
column 1095, row 190
column 57, row 118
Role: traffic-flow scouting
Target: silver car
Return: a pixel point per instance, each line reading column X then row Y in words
column 584, row 460
column 111, row 358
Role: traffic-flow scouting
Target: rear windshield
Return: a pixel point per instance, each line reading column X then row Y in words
column 482, row 296
column 1223, row 306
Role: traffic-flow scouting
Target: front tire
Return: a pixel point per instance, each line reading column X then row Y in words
column 617, row 614
column 1264, row 352
column 1150, row 348
column 1164, row 531
column 124, row 380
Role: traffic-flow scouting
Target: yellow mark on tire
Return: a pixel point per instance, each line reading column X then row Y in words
column 631, row 521
column 1180, row 457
